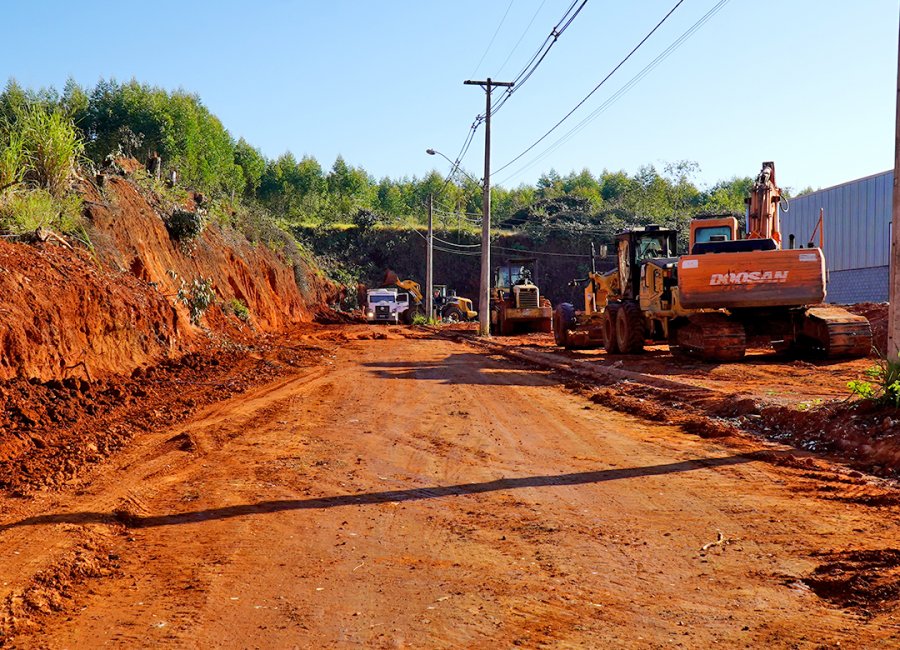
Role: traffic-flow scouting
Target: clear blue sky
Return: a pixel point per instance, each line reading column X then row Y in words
column 809, row 84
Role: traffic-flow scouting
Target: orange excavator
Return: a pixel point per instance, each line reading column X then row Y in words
column 727, row 291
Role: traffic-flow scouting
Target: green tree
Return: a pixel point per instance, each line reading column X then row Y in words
column 252, row 164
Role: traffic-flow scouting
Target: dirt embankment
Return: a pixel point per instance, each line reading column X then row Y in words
column 86, row 313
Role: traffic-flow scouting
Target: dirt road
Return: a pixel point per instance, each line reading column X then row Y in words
column 419, row 493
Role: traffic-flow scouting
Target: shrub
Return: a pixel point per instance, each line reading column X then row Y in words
column 51, row 147
column 239, row 309
column 12, row 158
column 884, row 384
column 39, row 151
column 185, row 225
column 197, row 297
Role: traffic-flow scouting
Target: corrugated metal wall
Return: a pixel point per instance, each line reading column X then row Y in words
column 857, row 222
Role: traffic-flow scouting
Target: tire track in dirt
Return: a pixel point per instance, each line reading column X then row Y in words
column 422, row 494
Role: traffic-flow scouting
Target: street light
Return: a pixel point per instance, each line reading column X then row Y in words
column 455, row 166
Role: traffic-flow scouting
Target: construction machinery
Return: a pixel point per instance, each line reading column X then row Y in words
column 516, row 302
column 726, row 292
column 396, row 301
column 450, row 307
column 387, row 305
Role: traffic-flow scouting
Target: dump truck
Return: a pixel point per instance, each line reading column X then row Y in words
column 516, row 302
column 395, row 301
column 725, row 292
column 387, row 305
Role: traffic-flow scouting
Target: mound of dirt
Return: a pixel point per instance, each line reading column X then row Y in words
column 877, row 313
column 50, row 432
column 129, row 234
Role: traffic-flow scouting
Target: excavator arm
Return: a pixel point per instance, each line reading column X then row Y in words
column 412, row 288
column 762, row 211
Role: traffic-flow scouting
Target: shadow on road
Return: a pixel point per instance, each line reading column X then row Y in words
column 390, row 496
column 462, row 368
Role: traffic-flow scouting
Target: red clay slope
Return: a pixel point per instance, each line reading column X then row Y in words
column 80, row 314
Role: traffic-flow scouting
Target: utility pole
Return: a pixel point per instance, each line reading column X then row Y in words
column 893, row 345
column 484, row 298
column 429, row 263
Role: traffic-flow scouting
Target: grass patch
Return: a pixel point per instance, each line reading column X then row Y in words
column 24, row 211
column 882, row 385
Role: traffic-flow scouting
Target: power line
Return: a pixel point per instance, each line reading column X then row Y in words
column 546, row 253
column 496, row 31
column 617, row 95
column 444, row 241
column 468, row 253
column 519, row 42
column 494, row 246
column 523, row 76
column 450, row 213
column 457, row 162
column 542, row 52
column 596, row 88
column 471, row 217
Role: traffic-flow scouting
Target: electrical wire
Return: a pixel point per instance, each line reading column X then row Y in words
column 496, row 31
column 546, row 253
column 444, row 241
column 596, row 88
column 447, row 250
column 521, row 38
column 617, row 95
column 495, row 247
column 470, row 215
column 520, row 79
column 457, row 162
column 539, row 56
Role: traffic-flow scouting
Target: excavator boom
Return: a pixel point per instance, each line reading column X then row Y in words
column 762, row 206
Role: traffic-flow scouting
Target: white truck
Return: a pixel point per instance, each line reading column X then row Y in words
column 387, row 305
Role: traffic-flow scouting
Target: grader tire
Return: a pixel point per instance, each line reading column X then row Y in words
column 610, row 343
column 631, row 328
column 563, row 320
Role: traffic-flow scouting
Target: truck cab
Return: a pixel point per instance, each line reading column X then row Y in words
column 386, row 305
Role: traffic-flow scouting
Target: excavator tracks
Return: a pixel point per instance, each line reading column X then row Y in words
column 711, row 337
column 834, row 332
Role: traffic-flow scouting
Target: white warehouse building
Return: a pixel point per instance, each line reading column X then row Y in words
column 857, row 235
